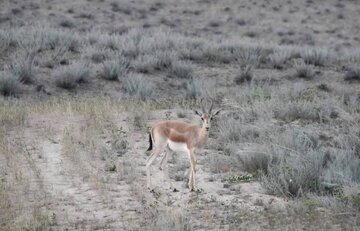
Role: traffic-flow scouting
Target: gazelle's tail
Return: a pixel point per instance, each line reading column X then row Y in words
column 150, row 142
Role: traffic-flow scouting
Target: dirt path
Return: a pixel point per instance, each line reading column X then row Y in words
column 76, row 203
column 109, row 201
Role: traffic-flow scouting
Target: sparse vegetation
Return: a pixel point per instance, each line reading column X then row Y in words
column 288, row 134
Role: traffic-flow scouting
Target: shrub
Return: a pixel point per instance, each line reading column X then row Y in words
column 8, row 84
column 98, row 56
column 324, row 87
column 181, row 69
column 352, row 75
column 249, row 56
column 116, row 8
column 7, row 40
column 170, row 220
column 137, row 86
column 279, row 58
column 298, row 165
column 245, row 76
column 215, row 23
column 145, row 63
column 294, row 110
column 67, row 23
column 304, row 71
column 314, row 56
column 164, row 60
column 22, row 68
column 343, row 168
column 70, row 76
column 59, row 40
column 229, row 131
column 301, row 165
column 127, row 171
column 87, row 15
column 255, row 162
column 193, row 89
column 114, row 69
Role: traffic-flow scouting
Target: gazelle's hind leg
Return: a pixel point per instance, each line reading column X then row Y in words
column 162, row 163
column 165, row 169
column 151, row 158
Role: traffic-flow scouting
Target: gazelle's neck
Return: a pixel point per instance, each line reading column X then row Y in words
column 203, row 135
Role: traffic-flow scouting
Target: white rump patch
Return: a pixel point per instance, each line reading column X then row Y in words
column 178, row 147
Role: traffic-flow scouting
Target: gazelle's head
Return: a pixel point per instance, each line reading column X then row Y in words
column 206, row 116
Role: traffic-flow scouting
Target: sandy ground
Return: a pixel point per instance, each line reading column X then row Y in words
column 79, row 194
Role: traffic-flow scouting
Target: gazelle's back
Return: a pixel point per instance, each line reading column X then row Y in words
column 176, row 131
column 175, row 125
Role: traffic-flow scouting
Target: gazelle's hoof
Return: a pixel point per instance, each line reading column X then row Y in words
column 175, row 190
column 198, row 190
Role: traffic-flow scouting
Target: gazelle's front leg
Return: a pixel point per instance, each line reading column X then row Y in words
column 193, row 171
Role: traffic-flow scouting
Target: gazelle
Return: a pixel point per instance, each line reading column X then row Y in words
column 179, row 136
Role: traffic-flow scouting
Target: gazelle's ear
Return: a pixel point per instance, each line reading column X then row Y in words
column 197, row 113
column 217, row 112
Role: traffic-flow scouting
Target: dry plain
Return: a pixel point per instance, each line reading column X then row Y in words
column 82, row 81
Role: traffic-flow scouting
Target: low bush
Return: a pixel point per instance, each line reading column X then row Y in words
column 279, row 58
column 181, row 70
column 314, row 56
column 22, row 68
column 114, row 69
column 9, row 85
column 68, row 77
column 352, row 75
column 245, row 76
column 304, row 71
column 193, row 89
column 137, row 86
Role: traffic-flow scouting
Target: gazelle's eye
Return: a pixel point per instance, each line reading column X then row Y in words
column 202, row 119
column 211, row 119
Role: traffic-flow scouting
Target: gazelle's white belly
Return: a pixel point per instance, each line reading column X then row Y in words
column 177, row 147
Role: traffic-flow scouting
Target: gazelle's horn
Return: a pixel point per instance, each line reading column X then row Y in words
column 202, row 105
column 212, row 104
